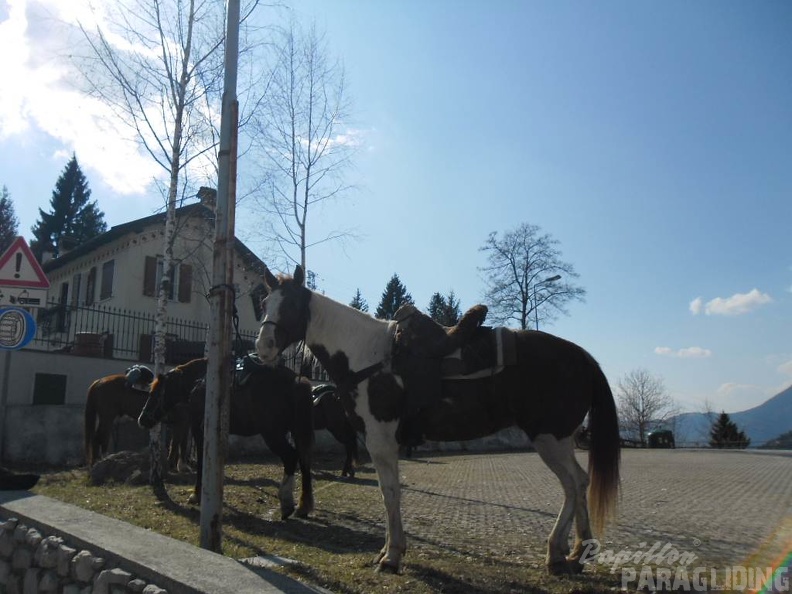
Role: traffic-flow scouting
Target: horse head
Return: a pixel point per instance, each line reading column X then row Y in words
column 164, row 396
column 153, row 410
column 285, row 314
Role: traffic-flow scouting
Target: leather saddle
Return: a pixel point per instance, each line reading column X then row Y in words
column 461, row 350
column 139, row 377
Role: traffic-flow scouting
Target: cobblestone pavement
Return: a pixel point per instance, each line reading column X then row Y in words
column 722, row 506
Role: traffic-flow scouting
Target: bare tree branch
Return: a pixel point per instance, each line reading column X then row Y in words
column 301, row 135
column 519, row 266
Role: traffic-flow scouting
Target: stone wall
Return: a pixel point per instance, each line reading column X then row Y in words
column 47, row 546
column 32, row 563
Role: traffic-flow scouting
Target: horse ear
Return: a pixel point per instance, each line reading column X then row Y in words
column 299, row 277
column 269, row 279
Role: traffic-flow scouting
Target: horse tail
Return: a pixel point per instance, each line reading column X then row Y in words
column 604, row 453
column 91, row 415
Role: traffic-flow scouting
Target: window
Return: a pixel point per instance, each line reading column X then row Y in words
column 49, row 388
column 181, row 283
column 76, row 287
column 61, row 322
column 90, row 287
column 108, row 269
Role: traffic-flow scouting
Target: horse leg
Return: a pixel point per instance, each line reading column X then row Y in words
column 102, row 438
column 343, row 438
column 305, row 454
column 583, row 535
column 384, row 451
column 183, row 464
column 195, row 496
column 173, row 447
column 280, row 446
column 558, row 455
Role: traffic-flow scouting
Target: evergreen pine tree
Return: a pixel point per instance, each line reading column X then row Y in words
column 436, row 309
column 9, row 224
column 358, row 302
column 394, row 296
column 725, row 434
column 444, row 310
column 73, row 216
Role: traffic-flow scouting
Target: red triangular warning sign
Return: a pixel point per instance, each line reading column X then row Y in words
column 19, row 267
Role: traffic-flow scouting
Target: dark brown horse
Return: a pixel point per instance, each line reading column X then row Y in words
column 111, row 397
column 269, row 401
column 329, row 413
column 547, row 391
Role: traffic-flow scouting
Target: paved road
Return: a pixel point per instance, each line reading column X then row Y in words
column 721, row 506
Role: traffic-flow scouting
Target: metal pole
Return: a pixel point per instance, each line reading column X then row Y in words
column 218, row 372
column 552, row 279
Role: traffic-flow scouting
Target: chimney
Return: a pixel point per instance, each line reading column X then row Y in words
column 208, row 197
column 66, row 243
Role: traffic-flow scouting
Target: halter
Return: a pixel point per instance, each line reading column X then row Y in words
column 159, row 408
column 305, row 314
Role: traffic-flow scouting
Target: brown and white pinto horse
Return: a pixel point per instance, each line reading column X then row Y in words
column 547, row 394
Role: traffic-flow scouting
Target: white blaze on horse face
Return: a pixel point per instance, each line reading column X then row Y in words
column 266, row 346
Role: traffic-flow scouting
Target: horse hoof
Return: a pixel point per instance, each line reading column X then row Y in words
column 303, row 512
column 568, row 566
column 574, row 565
column 387, row 567
column 559, row 568
column 287, row 512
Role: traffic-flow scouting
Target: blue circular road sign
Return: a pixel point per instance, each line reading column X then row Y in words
column 17, row 328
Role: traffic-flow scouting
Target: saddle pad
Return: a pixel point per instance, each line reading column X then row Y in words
column 505, row 353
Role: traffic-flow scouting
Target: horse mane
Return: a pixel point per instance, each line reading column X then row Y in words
column 154, row 387
column 190, row 365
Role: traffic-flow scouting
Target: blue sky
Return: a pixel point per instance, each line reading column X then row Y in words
column 653, row 140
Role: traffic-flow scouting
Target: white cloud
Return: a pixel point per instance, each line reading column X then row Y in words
column 693, row 352
column 785, row 368
column 695, row 306
column 737, row 304
column 734, row 397
column 36, row 92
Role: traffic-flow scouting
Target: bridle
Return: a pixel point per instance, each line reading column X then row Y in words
column 158, row 410
column 305, row 316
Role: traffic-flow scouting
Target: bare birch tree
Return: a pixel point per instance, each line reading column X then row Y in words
column 303, row 133
column 159, row 65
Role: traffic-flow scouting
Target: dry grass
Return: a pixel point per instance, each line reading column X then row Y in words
column 335, row 547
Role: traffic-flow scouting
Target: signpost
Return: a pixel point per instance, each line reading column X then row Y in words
column 23, row 284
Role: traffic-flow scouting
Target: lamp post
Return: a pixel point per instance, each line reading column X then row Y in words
column 552, row 279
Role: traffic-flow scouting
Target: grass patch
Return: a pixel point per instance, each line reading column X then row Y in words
column 336, row 546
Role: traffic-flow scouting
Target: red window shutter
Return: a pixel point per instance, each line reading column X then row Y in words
column 185, row 283
column 150, row 277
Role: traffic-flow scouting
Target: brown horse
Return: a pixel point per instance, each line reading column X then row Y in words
column 329, row 413
column 111, row 397
column 269, row 401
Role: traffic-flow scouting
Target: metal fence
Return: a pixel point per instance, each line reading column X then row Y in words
column 103, row 331
column 114, row 333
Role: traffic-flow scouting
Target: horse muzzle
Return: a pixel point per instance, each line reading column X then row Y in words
column 146, row 420
column 266, row 346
